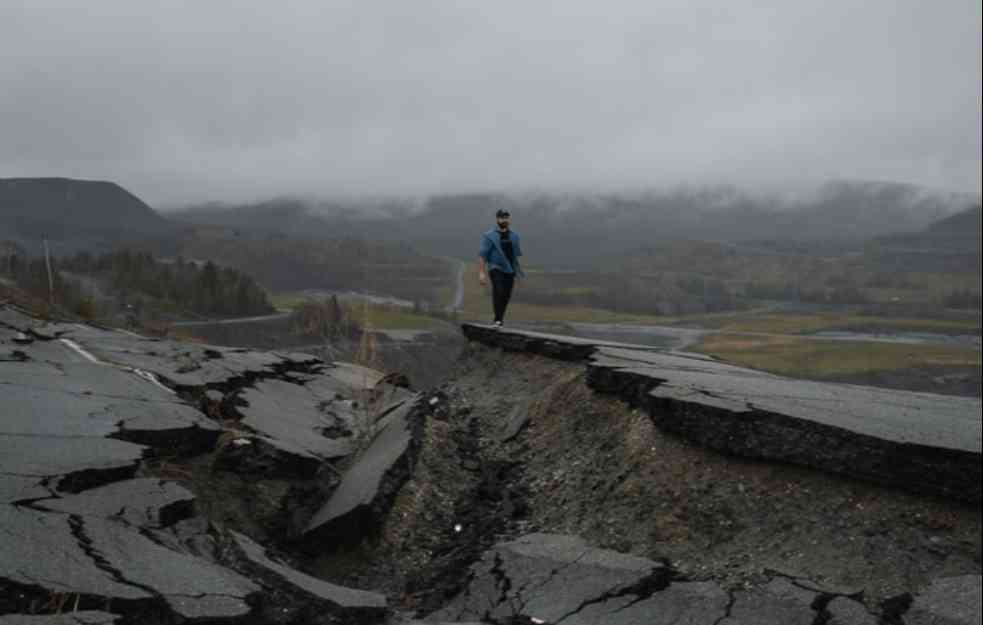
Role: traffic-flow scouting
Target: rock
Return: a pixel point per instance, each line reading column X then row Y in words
column 517, row 420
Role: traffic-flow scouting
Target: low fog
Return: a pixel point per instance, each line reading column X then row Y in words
column 199, row 101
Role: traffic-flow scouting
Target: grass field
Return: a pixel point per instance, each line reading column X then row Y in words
column 801, row 357
column 392, row 318
column 380, row 317
column 789, row 323
column 478, row 305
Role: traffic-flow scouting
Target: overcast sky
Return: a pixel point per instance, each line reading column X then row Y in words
column 183, row 101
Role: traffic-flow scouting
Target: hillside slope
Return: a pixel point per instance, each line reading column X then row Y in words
column 74, row 214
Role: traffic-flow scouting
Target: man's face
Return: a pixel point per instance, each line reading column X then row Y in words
column 503, row 221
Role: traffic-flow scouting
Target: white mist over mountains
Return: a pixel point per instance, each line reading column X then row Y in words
column 187, row 102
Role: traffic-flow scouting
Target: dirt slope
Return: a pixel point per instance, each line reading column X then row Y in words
column 588, row 465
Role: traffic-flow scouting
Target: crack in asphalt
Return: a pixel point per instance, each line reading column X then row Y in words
column 77, row 525
column 656, row 581
column 731, row 600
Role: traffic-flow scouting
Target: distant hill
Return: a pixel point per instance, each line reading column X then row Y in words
column 966, row 223
column 574, row 230
column 74, row 214
column 952, row 244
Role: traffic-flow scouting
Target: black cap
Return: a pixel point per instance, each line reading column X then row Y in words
column 502, row 213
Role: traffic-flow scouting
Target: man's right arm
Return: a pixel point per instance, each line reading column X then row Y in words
column 482, row 275
column 483, row 252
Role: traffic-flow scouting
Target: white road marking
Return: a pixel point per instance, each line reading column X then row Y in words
column 140, row 373
column 150, row 377
column 75, row 347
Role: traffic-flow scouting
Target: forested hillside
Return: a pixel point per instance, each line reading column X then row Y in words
column 135, row 283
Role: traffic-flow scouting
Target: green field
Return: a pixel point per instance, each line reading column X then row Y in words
column 795, row 323
column 478, row 306
column 802, row 357
column 377, row 316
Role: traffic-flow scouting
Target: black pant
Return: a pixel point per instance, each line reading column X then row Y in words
column 501, row 291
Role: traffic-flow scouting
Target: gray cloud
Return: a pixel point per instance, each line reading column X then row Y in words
column 186, row 101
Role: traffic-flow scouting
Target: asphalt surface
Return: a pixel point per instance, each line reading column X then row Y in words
column 83, row 408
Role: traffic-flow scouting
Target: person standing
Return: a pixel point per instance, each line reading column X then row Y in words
column 498, row 260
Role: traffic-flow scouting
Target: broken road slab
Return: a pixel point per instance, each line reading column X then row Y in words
column 289, row 413
column 373, row 479
column 320, row 595
column 81, row 459
column 78, row 524
column 143, row 502
column 92, row 557
column 550, row 345
column 561, row 579
column 916, row 441
column 555, row 578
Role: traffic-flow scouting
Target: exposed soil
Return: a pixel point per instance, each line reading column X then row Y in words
column 589, row 465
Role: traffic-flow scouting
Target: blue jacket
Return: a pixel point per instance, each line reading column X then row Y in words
column 491, row 250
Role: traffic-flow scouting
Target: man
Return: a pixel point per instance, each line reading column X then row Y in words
column 498, row 259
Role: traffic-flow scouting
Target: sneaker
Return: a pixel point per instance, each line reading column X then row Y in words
column 497, row 325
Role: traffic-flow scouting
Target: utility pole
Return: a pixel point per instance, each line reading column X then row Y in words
column 51, row 281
